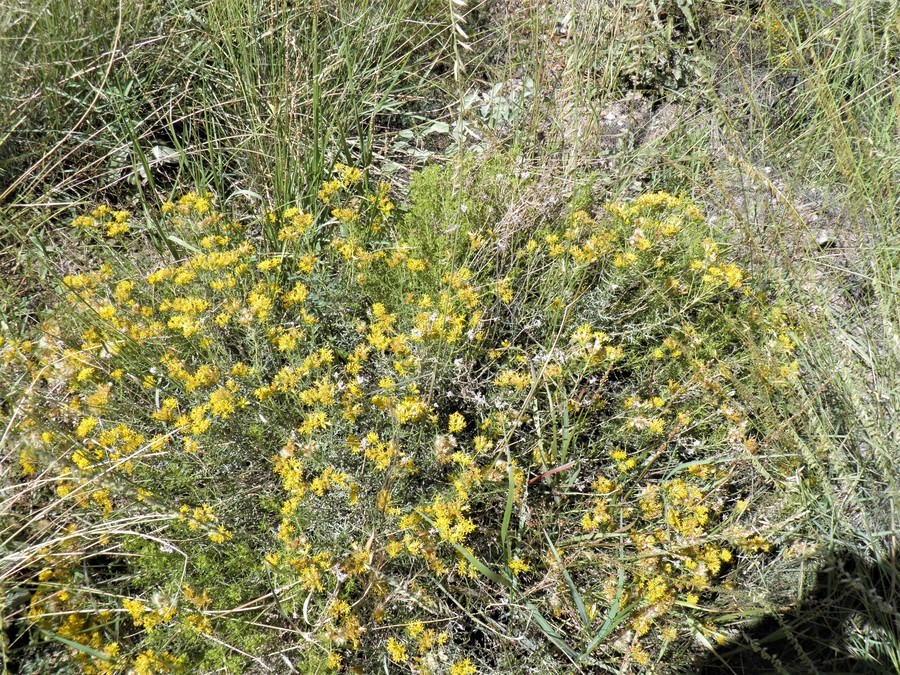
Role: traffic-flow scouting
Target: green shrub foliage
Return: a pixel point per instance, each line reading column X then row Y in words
column 386, row 435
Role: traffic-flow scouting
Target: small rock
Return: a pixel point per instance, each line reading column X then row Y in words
column 826, row 239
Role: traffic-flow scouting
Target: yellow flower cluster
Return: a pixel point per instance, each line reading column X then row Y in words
column 202, row 517
column 113, row 223
column 432, row 421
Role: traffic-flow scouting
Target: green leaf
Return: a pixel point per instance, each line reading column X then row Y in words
column 437, row 128
column 181, row 242
column 613, row 619
column 546, row 627
column 507, row 512
column 576, row 596
column 77, row 645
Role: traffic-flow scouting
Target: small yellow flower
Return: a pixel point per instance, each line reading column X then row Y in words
column 416, row 265
column 669, row 634
column 463, row 667
column 269, row 264
column 397, row 651
column 85, row 427
column 456, row 423
column 657, row 426
column 136, row 609
column 334, row 661
column 640, row 656
column 518, row 566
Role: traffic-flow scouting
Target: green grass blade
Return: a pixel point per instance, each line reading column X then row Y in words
column 576, row 596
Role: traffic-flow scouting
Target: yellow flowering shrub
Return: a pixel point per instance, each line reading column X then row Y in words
column 349, row 422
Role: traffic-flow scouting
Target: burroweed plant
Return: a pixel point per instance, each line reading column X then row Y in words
column 386, row 438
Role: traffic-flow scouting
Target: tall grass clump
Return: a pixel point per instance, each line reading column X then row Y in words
column 418, row 437
column 120, row 101
column 811, row 127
